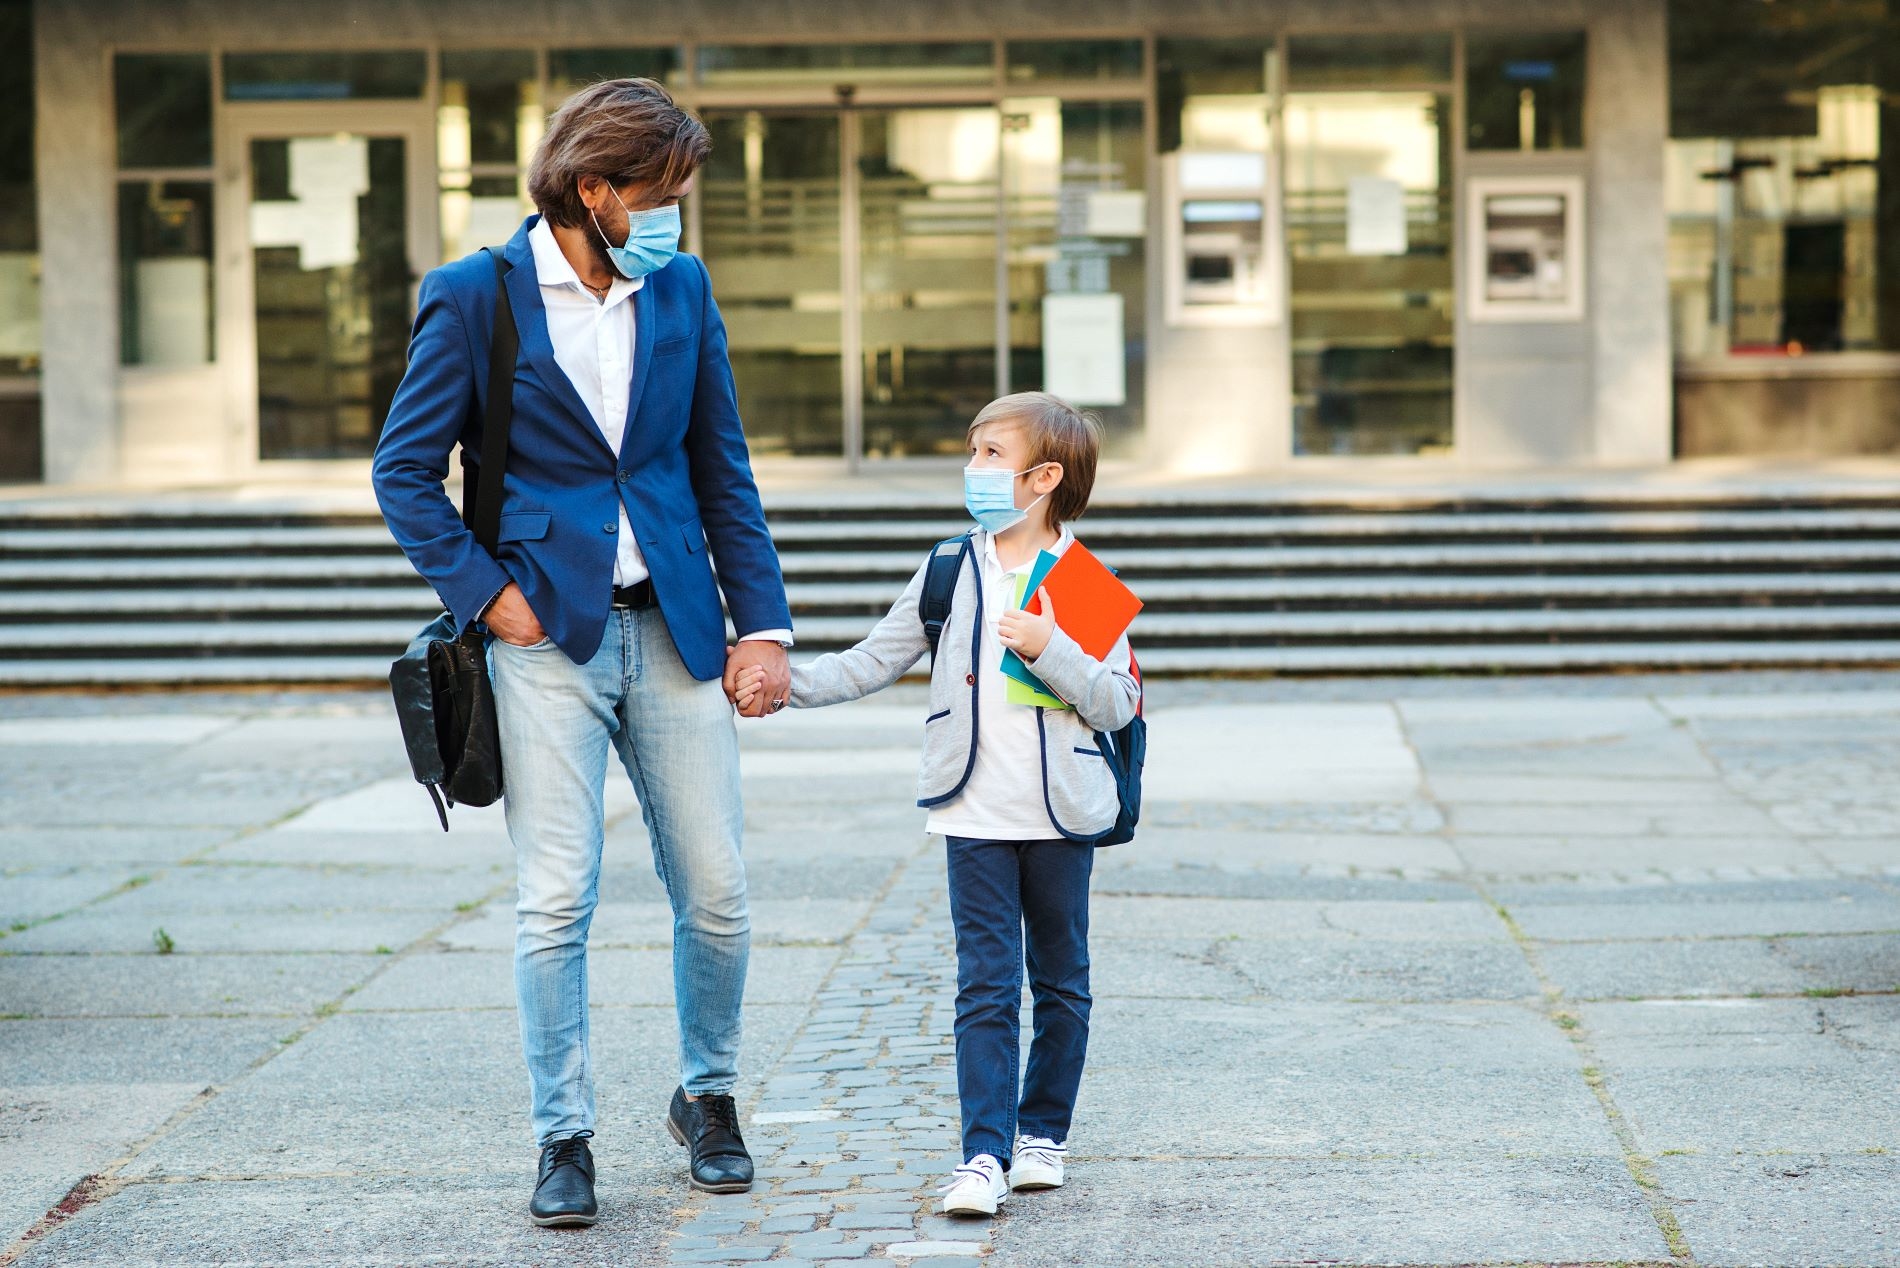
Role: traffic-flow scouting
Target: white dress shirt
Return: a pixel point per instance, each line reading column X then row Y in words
column 594, row 346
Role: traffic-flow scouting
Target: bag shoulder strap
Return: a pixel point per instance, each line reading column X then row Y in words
column 504, row 343
column 940, row 585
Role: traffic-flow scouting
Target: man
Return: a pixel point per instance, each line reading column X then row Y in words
column 626, row 469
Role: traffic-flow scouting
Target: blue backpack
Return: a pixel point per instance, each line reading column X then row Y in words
column 1124, row 750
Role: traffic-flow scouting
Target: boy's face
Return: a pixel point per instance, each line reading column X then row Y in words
column 1004, row 443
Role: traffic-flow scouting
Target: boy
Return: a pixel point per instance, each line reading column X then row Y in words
column 1018, row 792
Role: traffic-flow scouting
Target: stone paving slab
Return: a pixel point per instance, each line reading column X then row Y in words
column 1302, row 1211
column 1399, row 971
column 1791, row 1209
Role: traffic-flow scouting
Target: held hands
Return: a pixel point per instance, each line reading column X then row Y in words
column 1028, row 633
column 766, row 676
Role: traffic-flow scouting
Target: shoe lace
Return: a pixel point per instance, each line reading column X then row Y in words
column 720, row 1111
column 571, row 1152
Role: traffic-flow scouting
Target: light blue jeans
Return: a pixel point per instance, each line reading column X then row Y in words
column 676, row 738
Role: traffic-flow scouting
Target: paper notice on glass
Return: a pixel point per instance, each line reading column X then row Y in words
column 1117, row 213
column 1082, row 355
column 491, row 222
column 329, row 166
column 1375, row 216
column 327, row 233
column 174, row 311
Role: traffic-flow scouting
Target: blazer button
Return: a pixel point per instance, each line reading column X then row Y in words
column 969, row 680
column 623, row 477
column 608, row 527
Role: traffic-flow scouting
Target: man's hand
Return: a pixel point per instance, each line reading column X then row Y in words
column 1027, row 634
column 511, row 619
column 771, row 658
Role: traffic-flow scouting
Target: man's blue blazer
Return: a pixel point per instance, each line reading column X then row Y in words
column 682, row 470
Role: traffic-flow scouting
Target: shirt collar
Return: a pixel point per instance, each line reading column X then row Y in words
column 552, row 269
column 986, row 543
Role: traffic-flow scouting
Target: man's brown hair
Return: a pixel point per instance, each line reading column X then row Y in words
column 625, row 131
column 1057, row 432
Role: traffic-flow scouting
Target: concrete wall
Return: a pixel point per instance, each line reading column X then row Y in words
column 1593, row 392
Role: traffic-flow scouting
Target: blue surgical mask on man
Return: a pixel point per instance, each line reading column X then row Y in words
column 989, row 495
column 653, row 238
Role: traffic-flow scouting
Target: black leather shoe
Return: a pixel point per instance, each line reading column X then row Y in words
column 564, row 1190
column 709, row 1127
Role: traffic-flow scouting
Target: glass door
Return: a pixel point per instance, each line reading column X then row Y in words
column 1370, row 244
column 332, row 230
column 927, row 204
column 769, row 208
column 854, row 254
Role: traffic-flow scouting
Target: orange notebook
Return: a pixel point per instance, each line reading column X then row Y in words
column 1092, row 606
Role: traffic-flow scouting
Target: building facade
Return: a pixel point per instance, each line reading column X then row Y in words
column 1471, row 233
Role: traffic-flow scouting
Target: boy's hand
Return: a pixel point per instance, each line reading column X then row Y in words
column 1027, row 633
column 746, row 688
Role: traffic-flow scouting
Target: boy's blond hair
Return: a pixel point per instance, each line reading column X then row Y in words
column 1057, row 432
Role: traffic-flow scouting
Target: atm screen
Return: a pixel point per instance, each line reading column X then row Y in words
column 1210, row 268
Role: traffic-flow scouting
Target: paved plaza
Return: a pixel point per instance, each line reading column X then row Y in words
column 1401, row 971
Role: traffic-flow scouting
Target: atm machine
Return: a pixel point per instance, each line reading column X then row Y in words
column 1221, row 238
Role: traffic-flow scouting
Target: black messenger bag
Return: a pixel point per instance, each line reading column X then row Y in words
column 444, row 700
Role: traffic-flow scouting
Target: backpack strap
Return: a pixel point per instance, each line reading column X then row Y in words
column 940, row 585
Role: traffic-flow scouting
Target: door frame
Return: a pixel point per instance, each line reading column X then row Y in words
column 413, row 121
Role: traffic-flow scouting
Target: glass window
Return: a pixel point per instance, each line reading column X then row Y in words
column 1212, row 94
column 1074, row 173
column 1368, row 61
column 1524, row 91
column 487, row 125
column 165, row 316
column 735, row 65
column 19, row 212
column 164, row 108
column 323, row 76
column 571, row 69
column 1781, row 170
column 1073, row 59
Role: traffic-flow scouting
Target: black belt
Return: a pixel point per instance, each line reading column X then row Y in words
column 637, row 595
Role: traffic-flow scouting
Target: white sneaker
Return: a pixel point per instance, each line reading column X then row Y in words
column 976, row 1188
column 1037, row 1163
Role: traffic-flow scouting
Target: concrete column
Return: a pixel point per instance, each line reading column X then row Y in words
column 78, row 245
column 1628, row 128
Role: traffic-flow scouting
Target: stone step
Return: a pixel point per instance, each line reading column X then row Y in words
column 364, row 635
column 874, row 598
column 1136, row 564
column 1104, row 532
column 1156, row 662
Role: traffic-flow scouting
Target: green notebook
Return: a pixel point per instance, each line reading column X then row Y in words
column 1024, row 687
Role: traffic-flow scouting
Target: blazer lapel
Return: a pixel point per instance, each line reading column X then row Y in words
column 531, row 318
column 645, row 335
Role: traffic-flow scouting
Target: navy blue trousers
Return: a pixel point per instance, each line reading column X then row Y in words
column 1017, row 903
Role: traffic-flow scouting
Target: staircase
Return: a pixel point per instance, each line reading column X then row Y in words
column 1350, row 584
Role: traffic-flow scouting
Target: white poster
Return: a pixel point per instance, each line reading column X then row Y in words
column 322, row 229
column 1117, row 213
column 1375, row 216
column 329, row 167
column 1082, row 355
column 174, row 311
column 491, row 222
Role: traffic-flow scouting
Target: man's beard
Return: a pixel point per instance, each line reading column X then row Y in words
column 599, row 245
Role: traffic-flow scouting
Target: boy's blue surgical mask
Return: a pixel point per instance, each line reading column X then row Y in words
column 989, row 495
column 653, row 238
